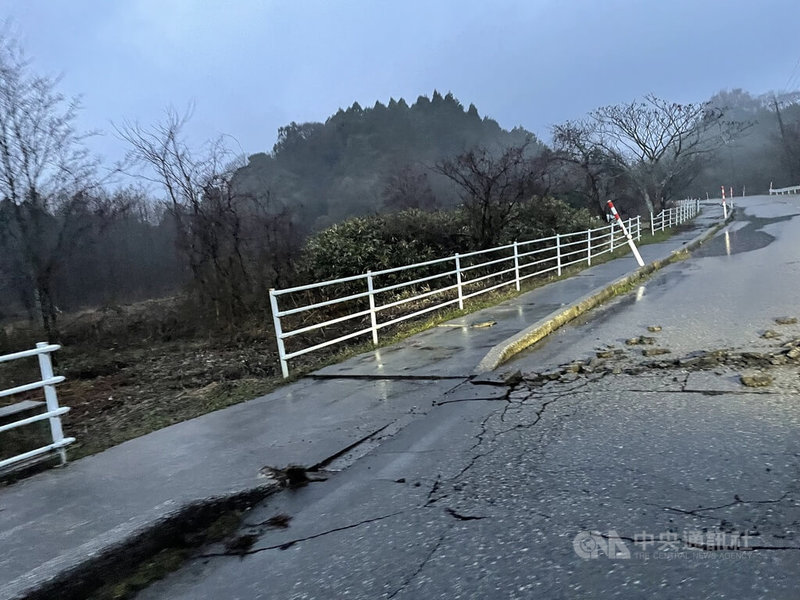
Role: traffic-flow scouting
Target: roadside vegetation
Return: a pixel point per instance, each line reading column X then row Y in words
column 154, row 274
column 132, row 370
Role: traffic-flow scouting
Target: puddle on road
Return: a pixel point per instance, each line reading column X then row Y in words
column 743, row 239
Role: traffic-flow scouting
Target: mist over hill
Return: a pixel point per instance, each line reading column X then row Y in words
column 355, row 162
column 370, row 187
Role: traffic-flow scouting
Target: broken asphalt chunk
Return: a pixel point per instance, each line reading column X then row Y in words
column 786, row 320
column 291, row 477
column 755, row 379
column 642, row 339
column 655, row 351
column 497, row 378
column 483, row 324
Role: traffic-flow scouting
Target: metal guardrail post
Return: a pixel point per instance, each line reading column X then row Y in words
column 276, row 322
column 372, row 316
column 558, row 253
column 589, row 247
column 458, row 281
column 46, row 367
column 627, row 232
column 618, row 229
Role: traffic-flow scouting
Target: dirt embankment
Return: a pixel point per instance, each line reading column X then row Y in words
column 131, row 370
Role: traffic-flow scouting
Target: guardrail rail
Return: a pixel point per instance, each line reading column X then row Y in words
column 53, row 414
column 359, row 305
column 683, row 211
column 795, row 189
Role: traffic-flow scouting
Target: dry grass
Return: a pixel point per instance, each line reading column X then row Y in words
column 132, row 370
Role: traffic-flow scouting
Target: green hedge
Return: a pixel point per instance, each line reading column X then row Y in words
column 411, row 236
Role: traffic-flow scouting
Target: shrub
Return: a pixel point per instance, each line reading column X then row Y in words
column 411, row 236
column 382, row 241
column 544, row 217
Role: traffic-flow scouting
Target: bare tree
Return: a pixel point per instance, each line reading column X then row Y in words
column 235, row 238
column 408, row 187
column 574, row 143
column 46, row 178
column 492, row 186
column 659, row 144
column 205, row 208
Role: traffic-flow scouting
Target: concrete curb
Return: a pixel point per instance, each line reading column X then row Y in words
column 74, row 575
column 503, row 351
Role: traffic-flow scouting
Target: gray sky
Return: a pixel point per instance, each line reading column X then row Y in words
column 251, row 66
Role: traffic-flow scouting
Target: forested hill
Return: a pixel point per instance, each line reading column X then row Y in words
column 365, row 160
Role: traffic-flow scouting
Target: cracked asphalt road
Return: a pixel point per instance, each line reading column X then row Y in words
column 667, row 456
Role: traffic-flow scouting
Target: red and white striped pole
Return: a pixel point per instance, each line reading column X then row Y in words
column 625, row 232
column 724, row 206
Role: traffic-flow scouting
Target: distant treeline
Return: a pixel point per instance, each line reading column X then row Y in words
column 768, row 151
column 370, row 187
column 367, row 160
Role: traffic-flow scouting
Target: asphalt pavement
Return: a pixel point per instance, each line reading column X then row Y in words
column 629, row 462
column 411, row 402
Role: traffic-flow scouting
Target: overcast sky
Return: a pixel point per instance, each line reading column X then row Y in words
column 251, row 66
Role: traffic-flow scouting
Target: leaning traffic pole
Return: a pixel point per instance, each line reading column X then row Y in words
column 625, row 232
column 724, row 206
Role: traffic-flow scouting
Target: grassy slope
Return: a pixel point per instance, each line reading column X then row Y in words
column 140, row 385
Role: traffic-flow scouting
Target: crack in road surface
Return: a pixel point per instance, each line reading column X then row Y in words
column 452, row 512
column 422, row 564
column 523, row 407
column 736, row 502
column 290, row 543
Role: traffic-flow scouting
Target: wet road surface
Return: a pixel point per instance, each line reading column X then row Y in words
column 623, row 440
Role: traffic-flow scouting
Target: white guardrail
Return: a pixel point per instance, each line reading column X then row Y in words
column 54, row 412
column 439, row 283
column 417, row 289
column 795, row 189
column 670, row 217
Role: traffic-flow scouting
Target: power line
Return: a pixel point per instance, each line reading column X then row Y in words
column 793, row 77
